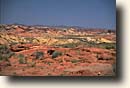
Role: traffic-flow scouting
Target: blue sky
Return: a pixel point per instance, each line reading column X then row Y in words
column 84, row 13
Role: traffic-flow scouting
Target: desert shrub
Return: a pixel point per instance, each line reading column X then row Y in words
column 32, row 64
column 69, row 45
column 10, row 54
column 74, row 61
column 108, row 46
column 2, row 57
column 103, row 45
column 89, row 44
column 3, row 48
column 29, row 39
column 5, row 52
column 13, row 43
column 56, row 54
column 22, row 59
column 38, row 55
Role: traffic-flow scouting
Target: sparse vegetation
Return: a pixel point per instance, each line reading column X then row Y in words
column 100, row 45
column 108, row 46
column 13, row 43
column 14, row 73
column 22, row 59
column 32, row 64
column 5, row 52
column 45, row 51
column 3, row 48
column 29, row 39
column 38, row 55
column 78, row 52
column 69, row 45
column 56, row 54
column 74, row 61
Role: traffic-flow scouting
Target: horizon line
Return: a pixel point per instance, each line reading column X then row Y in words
column 59, row 26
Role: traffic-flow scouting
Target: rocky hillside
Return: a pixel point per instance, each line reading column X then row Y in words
column 51, row 51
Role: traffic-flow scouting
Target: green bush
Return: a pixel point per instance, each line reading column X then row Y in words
column 13, row 43
column 38, row 55
column 74, row 61
column 32, row 64
column 29, row 39
column 10, row 54
column 69, row 45
column 5, row 52
column 3, row 48
column 108, row 46
column 22, row 59
column 3, row 57
column 56, row 54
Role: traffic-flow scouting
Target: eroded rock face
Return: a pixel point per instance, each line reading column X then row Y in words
column 50, row 52
column 20, row 47
column 3, row 42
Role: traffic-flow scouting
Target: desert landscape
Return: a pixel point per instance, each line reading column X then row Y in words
column 40, row 50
